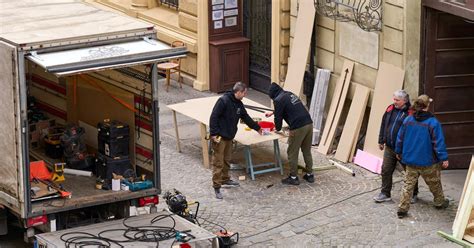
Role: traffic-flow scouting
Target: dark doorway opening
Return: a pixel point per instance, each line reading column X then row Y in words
column 447, row 75
column 257, row 27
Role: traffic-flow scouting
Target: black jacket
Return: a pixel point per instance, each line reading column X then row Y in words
column 288, row 107
column 226, row 114
column 392, row 120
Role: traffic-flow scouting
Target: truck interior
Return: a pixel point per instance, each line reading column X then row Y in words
column 72, row 94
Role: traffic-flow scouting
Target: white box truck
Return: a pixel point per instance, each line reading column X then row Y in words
column 81, row 65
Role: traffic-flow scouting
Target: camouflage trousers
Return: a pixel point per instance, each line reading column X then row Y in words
column 431, row 175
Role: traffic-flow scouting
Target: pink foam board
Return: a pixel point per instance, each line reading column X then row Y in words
column 368, row 161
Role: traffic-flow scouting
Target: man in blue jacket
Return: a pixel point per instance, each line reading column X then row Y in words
column 391, row 122
column 223, row 127
column 420, row 145
column 289, row 107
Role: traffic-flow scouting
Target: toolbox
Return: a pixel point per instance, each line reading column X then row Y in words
column 113, row 129
column 113, row 147
column 106, row 165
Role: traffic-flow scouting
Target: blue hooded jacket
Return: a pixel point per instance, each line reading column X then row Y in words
column 420, row 140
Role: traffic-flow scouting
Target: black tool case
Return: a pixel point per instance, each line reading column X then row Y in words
column 113, row 138
column 105, row 166
column 113, row 129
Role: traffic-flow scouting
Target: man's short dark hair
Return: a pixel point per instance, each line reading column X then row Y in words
column 239, row 87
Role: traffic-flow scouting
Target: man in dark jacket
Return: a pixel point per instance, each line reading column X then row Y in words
column 289, row 107
column 391, row 123
column 420, row 145
column 223, row 127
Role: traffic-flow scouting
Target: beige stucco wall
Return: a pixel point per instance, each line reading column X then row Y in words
column 399, row 44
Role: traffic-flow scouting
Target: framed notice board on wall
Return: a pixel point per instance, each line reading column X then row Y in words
column 225, row 19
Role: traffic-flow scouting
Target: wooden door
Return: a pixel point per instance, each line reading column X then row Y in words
column 448, row 77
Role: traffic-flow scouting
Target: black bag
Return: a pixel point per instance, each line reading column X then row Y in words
column 113, row 129
column 105, row 166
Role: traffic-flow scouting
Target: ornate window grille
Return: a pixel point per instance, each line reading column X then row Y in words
column 171, row 3
column 366, row 13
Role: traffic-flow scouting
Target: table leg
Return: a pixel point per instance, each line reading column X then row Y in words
column 168, row 72
column 248, row 158
column 276, row 148
column 205, row 146
column 178, row 144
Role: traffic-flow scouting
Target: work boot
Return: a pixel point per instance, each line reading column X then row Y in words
column 414, row 199
column 309, row 177
column 291, row 180
column 402, row 214
column 382, row 198
column 218, row 194
column 231, row 182
column 444, row 205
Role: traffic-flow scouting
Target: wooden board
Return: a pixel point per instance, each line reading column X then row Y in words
column 354, row 119
column 318, row 100
column 460, row 215
column 389, row 79
column 300, row 47
column 200, row 109
column 465, row 210
column 337, row 103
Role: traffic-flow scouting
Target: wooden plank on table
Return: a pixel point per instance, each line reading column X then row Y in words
column 389, row 79
column 337, row 103
column 353, row 122
column 300, row 47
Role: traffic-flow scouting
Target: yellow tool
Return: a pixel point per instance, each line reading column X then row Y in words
column 58, row 174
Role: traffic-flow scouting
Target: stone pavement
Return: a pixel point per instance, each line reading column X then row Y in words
column 336, row 211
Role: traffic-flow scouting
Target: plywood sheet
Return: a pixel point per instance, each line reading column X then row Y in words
column 300, row 47
column 353, row 122
column 389, row 79
column 200, row 109
column 8, row 152
column 465, row 210
column 337, row 103
column 457, row 220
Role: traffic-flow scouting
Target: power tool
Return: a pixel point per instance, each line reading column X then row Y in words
column 138, row 185
column 58, row 174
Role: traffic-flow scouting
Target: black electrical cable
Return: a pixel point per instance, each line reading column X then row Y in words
column 210, row 222
column 149, row 233
column 314, row 211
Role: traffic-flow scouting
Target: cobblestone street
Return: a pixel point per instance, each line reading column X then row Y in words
column 337, row 210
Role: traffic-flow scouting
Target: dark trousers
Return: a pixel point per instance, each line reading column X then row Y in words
column 222, row 152
column 388, row 167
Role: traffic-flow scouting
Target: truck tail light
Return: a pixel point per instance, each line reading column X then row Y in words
column 148, row 200
column 36, row 221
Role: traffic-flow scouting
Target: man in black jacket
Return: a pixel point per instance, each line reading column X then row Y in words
column 223, row 127
column 392, row 120
column 289, row 107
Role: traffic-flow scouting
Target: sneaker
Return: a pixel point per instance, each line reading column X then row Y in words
column 309, row 177
column 402, row 214
column 218, row 194
column 414, row 199
column 382, row 198
column 291, row 180
column 231, row 183
column 444, row 205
